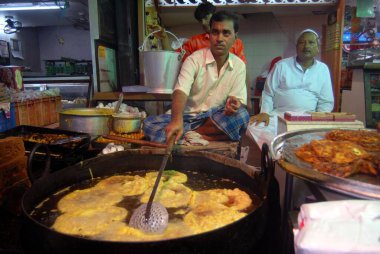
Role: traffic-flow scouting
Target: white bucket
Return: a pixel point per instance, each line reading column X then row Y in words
column 161, row 68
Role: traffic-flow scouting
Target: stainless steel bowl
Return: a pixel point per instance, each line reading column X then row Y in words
column 126, row 124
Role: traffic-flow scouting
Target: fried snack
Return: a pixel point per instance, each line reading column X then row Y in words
column 369, row 140
column 200, row 221
column 306, row 153
column 88, row 222
column 120, row 231
column 88, row 199
column 341, row 170
column 168, row 175
column 170, row 194
column 133, row 135
column 176, row 229
column 235, row 199
column 208, row 196
column 106, row 141
column 124, row 184
column 93, row 212
column 337, row 151
column 44, row 138
column 339, row 157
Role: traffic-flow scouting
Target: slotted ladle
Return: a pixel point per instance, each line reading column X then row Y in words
column 153, row 217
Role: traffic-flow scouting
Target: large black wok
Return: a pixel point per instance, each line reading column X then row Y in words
column 241, row 236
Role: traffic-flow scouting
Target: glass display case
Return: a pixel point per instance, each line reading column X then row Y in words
column 372, row 94
column 74, row 90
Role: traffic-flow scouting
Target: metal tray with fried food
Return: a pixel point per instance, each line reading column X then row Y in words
column 283, row 149
column 59, row 141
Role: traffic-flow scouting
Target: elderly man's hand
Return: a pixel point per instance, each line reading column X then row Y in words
column 159, row 35
column 259, row 118
column 232, row 105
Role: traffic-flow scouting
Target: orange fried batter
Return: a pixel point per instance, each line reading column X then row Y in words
column 342, row 153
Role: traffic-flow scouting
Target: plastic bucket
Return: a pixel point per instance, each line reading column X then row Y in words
column 161, row 67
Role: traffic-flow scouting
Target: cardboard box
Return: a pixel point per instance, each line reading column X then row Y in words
column 343, row 117
column 321, row 116
column 285, row 125
column 297, row 116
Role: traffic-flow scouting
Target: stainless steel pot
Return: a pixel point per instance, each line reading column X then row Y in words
column 95, row 121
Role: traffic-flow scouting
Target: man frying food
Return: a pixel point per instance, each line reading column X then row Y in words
column 209, row 96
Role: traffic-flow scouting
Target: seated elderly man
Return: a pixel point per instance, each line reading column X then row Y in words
column 299, row 83
column 210, row 94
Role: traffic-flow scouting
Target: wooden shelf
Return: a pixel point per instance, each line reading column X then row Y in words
column 113, row 96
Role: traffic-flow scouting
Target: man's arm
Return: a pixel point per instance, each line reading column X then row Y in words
column 180, row 95
column 326, row 97
column 267, row 103
column 248, row 84
column 238, row 50
column 175, row 127
column 238, row 86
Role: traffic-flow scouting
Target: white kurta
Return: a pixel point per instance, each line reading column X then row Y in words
column 289, row 88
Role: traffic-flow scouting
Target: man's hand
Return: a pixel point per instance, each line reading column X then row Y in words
column 174, row 128
column 159, row 35
column 259, row 118
column 232, row 105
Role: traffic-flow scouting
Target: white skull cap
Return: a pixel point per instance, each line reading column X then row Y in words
column 307, row 31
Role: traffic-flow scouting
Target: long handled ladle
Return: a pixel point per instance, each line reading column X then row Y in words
column 153, row 217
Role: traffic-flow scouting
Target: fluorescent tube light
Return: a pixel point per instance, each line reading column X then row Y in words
column 29, row 6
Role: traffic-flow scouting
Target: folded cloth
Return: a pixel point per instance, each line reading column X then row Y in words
column 264, row 134
column 6, row 107
column 193, row 138
column 337, row 227
column 232, row 126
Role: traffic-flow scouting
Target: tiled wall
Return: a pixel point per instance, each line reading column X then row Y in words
column 265, row 37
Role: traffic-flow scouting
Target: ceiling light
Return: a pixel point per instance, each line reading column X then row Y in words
column 31, row 6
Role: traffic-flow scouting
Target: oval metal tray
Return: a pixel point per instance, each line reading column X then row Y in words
column 282, row 149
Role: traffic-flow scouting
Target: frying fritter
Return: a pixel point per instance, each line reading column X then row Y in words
column 176, row 229
column 88, row 222
column 88, row 199
column 235, row 199
column 120, row 231
column 170, row 194
column 200, row 222
column 92, row 212
column 168, row 175
column 125, row 184
column 206, row 196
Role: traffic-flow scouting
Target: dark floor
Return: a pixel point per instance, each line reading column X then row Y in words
column 10, row 226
